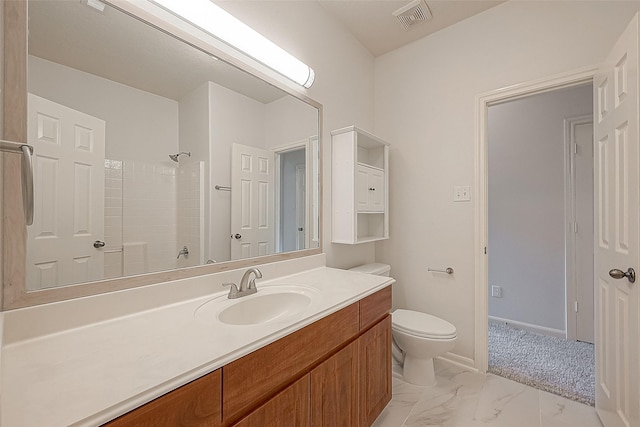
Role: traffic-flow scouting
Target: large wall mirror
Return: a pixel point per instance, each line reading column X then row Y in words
column 152, row 155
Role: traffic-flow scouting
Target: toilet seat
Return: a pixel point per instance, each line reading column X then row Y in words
column 422, row 325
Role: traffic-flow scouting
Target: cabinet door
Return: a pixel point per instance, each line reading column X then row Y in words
column 370, row 189
column 375, row 371
column 362, row 188
column 376, row 190
column 334, row 390
column 288, row 408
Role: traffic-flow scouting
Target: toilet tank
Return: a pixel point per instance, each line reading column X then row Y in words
column 377, row 268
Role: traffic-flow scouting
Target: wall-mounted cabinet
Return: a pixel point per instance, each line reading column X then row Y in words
column 359, row 186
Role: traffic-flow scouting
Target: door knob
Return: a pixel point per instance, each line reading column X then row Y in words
column 236, row 236
column 630, row 274
column 98, row 244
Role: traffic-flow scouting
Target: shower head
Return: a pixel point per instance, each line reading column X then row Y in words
column 174, row 157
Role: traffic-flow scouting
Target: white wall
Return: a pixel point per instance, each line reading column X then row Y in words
column 344, row 85
column 526, row 204
column 425, row 105
column 140, row 125
column 289, row 120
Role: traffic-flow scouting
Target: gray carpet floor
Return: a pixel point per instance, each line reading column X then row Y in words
column 548, row 363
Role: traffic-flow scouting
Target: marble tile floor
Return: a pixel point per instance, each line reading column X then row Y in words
column 463, row 398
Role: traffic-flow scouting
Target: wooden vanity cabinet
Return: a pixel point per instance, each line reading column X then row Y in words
column 335, row 372
column 197, row 404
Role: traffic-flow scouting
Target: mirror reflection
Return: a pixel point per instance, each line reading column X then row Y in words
column 152, row 155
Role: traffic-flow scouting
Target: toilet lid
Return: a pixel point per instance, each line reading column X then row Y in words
column 422, row 324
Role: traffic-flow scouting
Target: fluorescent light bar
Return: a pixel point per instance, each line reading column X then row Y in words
column 224, row 26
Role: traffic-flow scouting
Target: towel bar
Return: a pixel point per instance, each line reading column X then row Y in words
column 447, row 270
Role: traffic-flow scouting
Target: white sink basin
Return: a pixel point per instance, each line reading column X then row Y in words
column 269, row 304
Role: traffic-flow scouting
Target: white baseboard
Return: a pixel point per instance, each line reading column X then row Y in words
column 529, row 327
column 461, row 361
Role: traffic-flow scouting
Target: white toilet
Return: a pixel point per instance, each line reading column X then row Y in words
column 417, row 337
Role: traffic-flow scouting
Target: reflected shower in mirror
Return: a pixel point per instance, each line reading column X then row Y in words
column 152, row 155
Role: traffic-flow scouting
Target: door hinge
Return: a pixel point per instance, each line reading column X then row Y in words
column 575, row 227
column 485, row 250
column 575, row 306
column 575, row 148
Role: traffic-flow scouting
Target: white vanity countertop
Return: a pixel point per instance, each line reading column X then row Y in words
column 89, row 375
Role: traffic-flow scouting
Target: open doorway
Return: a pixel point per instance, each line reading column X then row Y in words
column 540, row 232
column 292, row 200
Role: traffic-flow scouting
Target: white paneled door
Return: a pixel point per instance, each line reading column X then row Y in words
column 252, row 202
column 617, row 241
column 69, row 195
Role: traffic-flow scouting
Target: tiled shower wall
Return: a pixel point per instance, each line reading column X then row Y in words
column 112, row 218
column 151, row 211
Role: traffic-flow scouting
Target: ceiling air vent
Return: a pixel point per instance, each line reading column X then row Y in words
column 415, row 12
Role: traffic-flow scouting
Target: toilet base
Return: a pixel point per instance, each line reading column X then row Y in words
column 419, row 371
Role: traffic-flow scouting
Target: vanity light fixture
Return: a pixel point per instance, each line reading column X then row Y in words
column 219, row 23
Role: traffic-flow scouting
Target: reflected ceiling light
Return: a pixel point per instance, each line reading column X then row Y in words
column 224, row 26
column 96, row 4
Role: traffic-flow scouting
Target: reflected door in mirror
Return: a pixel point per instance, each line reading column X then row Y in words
column 69, row 193
column 252, row 201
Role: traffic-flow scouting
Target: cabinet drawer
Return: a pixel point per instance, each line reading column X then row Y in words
column 251, row 379
column 375, row 307
column 196, row 404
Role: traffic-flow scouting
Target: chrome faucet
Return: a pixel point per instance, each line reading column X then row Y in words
column 183, row 252
column 247, row 287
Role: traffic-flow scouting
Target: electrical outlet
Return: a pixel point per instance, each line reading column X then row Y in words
column 496, row 291
column 461, row 193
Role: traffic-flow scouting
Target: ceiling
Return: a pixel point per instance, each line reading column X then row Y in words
column 373, row 24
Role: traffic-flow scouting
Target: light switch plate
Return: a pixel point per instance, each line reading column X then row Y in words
column 461, row 193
